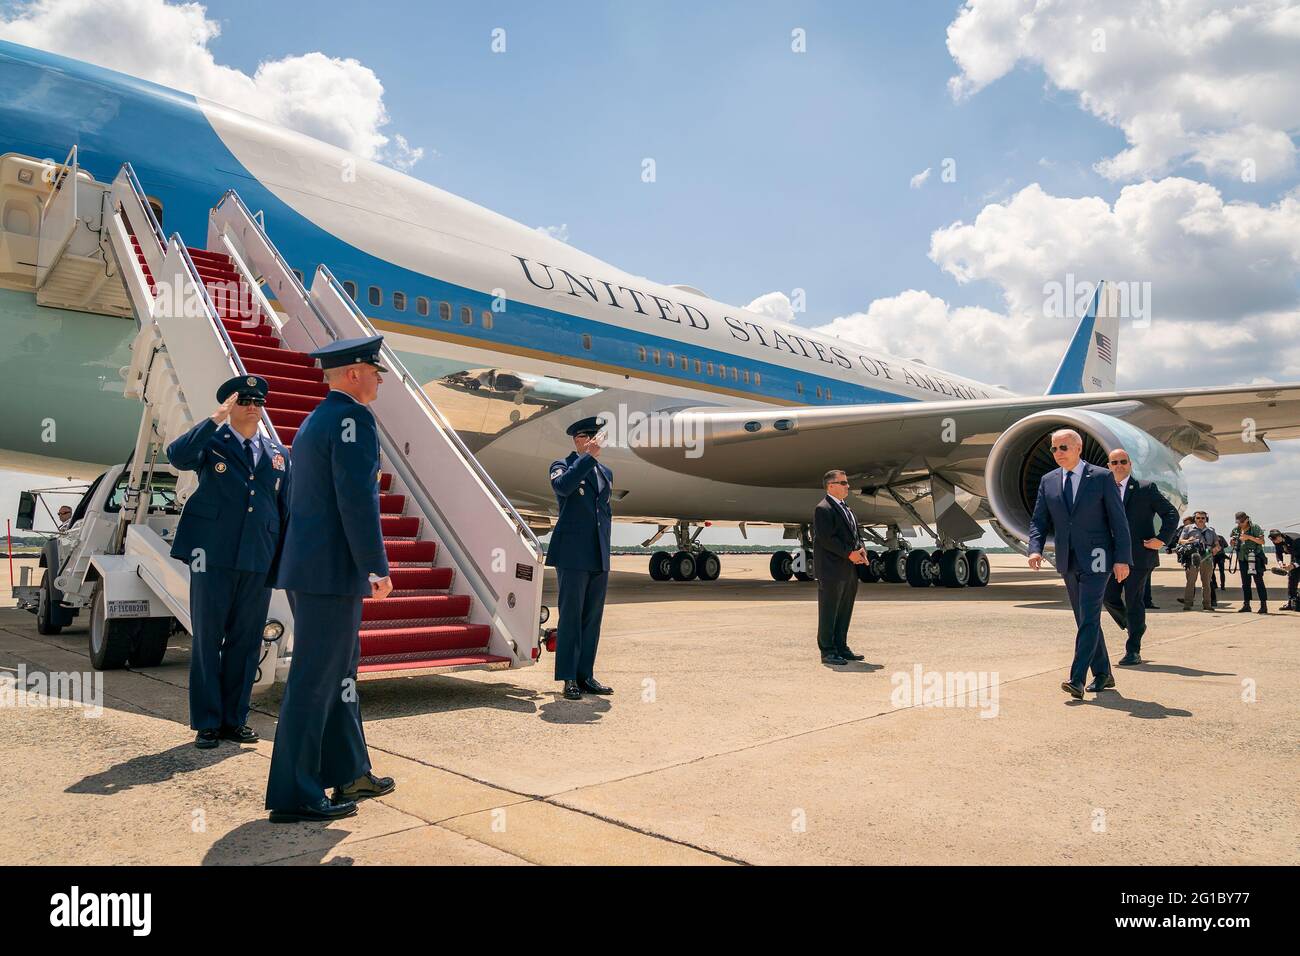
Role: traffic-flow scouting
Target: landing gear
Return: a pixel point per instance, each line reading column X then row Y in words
column 870, row 572
column 691, row 561
column 893, row 566
column 781, row 566
column 920, row 569
column 954, row 568
column 979, row 568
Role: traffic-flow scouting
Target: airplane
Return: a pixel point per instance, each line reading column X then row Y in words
column 725, row 415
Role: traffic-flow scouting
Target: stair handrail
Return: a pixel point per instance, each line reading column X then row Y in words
column 59, row 178
column 214, row 319
column 150, row 218
column 395, row 365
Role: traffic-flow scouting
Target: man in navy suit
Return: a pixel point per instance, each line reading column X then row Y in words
column 334, row 557
column 1143, row 503
column 579, row 552
column 1078, row 506
column 230, row 535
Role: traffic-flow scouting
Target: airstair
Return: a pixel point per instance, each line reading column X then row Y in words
column 466, row 569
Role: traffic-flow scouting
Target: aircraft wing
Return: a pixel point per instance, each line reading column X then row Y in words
column 779, row 447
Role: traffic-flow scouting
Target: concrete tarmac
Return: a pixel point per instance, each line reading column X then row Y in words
column 726, row 741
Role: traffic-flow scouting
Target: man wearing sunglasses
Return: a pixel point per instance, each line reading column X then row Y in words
column 1078, row 506
column 1143, row 503
column 230, row 535
column 837, row 551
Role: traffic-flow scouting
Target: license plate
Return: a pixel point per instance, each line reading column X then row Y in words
column 128, row 608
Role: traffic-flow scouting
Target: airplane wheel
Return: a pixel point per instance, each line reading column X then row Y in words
column 954, row 569
column 894, row 566
column 661, row 566
column 110, row 641
column 708, row 566
column 781, row 567
column 980, row 571
column 804, row 576
column 683, row 566
column 915, row 570
column 869, row 573
column 151, row 642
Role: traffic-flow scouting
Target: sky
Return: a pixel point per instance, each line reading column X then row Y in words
column 911, row 174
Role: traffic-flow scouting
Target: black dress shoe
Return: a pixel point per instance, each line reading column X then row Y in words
column 1263, row 609
column 1129, row 660
column 1152, row 607
column 240, row 735
column 1101, row 683
column 572, row 691
column 593, row 686
column 1244, row 609
column 363, row 788
column 833, row 659
column 207, row 739
column 848, row 655
column 322, row 809
column 1074, row 690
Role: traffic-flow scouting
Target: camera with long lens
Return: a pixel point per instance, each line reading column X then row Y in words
column 1190, row 553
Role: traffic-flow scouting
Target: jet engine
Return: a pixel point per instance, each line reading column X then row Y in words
column 1022, row 455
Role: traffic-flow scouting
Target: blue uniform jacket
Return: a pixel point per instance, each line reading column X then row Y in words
column 1097, row 521
column 334, row 540
column 238, row 513
column 581, row 537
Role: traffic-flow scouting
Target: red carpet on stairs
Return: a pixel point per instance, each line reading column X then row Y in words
column 419, row 625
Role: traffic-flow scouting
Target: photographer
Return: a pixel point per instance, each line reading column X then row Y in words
column 1221, row 561
column 1287, row 548
column 1197, row 544
column 1248, row 542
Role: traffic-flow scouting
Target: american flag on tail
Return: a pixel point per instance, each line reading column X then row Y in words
column 1105, row 348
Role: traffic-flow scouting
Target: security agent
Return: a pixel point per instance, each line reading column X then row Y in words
column 837, row 551
column 333, row 558
column 579, row 552
column 230, row 535
column 1287, row 548
column 1143, row 504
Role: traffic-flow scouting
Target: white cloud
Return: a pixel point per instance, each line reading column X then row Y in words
column 1187, row 81
column 917, row 181
column 337, row 100
column 560, row 232
column 775, row 305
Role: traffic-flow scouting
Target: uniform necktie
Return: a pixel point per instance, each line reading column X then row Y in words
column 248, row 451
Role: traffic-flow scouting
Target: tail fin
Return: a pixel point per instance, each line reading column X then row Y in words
column 1089, row 363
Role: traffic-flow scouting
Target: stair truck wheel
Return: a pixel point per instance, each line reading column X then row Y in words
column 683, row 566
column 781, row 567
column 915, row 570
column 46, row 607
column 954, row 569
column 980, row 571
column 708, row 566
column 111, row 641
column 151, row 642
column 661, row 566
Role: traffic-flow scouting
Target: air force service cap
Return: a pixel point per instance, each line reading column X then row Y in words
column 583, row 425
column 247, row 386
column 350, row 352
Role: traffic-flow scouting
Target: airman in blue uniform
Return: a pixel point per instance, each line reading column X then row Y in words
column 334, row 558
column 230, row 534
column 579, row 552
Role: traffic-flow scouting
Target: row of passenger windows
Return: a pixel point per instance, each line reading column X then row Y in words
column 702, row 367
column 375, row 296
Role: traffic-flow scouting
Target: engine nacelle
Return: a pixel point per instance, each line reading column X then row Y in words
column 1022, row 455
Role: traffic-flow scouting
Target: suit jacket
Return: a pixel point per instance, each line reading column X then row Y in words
column 1143, row 502
column 580, row 540
column 833, row 539
column 334, row 541
column 1096, row 521
column 237, row 515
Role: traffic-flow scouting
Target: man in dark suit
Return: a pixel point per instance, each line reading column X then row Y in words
column 1143, row 502
column 230, row 536
column 837, row 550
column 1078, row 506
column 579, row 552
column 334, row 557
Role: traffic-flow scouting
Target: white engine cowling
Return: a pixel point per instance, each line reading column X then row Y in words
column 1022, row 456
